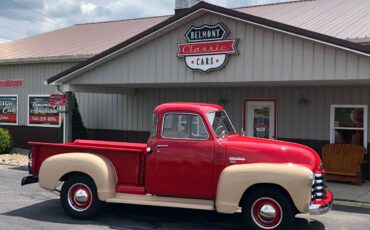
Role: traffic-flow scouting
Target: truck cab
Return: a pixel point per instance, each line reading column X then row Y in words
column 194, row 159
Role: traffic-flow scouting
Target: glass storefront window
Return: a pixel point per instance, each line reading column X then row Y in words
column 348, row 124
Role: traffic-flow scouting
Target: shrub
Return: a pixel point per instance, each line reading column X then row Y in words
column 78, row 128
column 5, row 141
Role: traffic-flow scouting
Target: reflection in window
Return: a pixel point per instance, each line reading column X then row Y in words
column 184, row 126
column 220, row 123
column 348, row 124
column 153, row 130
column 349, row 117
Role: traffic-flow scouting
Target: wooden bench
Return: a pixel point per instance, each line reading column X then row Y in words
column 343, row 162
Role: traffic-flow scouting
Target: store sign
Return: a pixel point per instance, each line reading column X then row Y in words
column 8, row 110
column 58, row 100
column 207, row 47
column 11, row 83
column 41, row 112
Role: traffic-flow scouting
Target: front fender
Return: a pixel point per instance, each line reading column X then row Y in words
column 236, row 179
column 97, row 167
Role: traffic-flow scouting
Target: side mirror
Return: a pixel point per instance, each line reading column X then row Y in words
column 242, row 132
column 223, row 134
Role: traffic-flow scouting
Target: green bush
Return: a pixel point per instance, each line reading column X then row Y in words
column 5, row 141
column 78, row 128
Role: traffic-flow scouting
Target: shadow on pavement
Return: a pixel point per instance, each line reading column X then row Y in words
column 343, row 208
column 117, row 216
column 20, row 168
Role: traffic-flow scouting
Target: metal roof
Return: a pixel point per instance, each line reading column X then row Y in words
column 337, row 18
column 194, row 11
column 81, row 40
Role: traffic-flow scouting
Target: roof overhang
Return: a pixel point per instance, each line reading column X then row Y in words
column 38, row 60
column 189, row 14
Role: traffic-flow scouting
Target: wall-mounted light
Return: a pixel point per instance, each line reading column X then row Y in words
column 303, row 101
column 222, row 101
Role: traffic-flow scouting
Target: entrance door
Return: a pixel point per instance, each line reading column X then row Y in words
column 260, row 118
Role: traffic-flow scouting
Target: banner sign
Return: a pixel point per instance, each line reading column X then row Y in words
column 11, row 83
column 207, row 47
column 58, row 99
column 41, row 112
column 8, row 110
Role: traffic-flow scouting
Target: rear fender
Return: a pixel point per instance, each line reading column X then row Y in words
column 99, row 168
column 236, row 179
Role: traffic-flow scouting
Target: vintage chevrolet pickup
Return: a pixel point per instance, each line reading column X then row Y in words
column 194, row 159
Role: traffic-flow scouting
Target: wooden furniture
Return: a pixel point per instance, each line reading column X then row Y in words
column 343, row 162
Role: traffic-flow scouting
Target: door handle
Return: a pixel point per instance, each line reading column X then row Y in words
column 162, row 146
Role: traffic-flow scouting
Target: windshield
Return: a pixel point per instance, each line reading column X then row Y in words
column 220, row 122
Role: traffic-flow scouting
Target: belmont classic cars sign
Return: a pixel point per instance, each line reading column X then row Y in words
column 8, row 109
column 207, row 47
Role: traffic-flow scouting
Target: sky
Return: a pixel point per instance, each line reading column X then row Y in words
column 24, row 18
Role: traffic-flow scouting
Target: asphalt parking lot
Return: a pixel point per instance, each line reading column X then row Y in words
column 31, row 207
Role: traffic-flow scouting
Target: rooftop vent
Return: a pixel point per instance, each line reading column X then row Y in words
column 181, row 5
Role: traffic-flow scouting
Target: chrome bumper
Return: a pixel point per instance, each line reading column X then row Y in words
column 322, row 206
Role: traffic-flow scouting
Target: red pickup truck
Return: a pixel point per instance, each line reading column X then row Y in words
column 194, row 159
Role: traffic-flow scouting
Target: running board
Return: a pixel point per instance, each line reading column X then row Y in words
column 163, row 201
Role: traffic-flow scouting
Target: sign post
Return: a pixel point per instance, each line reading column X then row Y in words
column 67, row 118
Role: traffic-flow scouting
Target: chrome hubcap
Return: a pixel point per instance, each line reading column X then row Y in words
column 267, row 213
column 81, row 196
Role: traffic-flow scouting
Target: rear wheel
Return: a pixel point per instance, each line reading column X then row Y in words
column 268, row 209
column 79, row 197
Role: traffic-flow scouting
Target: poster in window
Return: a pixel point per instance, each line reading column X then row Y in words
column 261, row 122
column 8, row 110
column 41, row 113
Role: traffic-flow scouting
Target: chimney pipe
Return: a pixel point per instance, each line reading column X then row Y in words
column 181, row 5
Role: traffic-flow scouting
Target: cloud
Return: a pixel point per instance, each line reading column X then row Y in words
column 61, row 13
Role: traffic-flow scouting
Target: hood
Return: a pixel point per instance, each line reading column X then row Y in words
column 246, row 150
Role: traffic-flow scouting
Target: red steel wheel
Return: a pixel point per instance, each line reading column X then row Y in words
column 266, row 213
column 79, row 197
column 268, row 207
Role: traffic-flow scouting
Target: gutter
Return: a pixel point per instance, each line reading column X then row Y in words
column 42, row 60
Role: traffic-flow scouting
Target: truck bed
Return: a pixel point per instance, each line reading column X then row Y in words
column 127, row 158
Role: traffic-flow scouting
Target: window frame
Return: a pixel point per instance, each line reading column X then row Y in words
column 332, row 121
column 178, row 138
column 227, row 115
column 156, row 126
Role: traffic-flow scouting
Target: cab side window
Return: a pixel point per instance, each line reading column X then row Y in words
column 184, row 126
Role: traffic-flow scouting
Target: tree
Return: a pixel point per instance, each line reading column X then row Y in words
column 79, row 130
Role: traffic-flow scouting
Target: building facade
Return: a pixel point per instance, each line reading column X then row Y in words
column 275, row 80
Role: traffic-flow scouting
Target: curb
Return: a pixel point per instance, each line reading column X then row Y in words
column 350, row 203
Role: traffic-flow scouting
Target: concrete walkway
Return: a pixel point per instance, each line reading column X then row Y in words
column 349, row 192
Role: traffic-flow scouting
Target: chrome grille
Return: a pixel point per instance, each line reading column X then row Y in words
column 318, row 188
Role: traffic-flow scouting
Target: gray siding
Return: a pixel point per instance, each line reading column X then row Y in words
column 265, row 56
column 33, row 76
column 133, row 112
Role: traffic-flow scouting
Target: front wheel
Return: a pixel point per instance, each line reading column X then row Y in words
column 79, row 197
column 268, row 209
